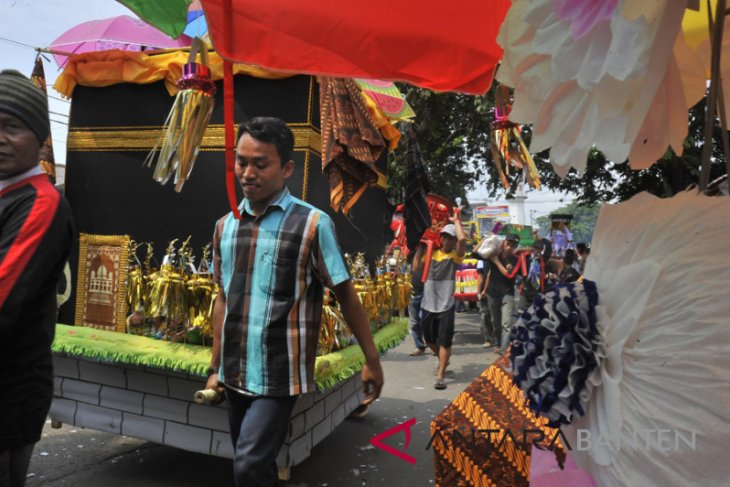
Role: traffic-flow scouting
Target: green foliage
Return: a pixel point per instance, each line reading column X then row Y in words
column 584, row 220
column 605, row 181
column 453, row 132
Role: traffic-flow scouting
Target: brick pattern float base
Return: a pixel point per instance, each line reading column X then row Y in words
column 157, row 405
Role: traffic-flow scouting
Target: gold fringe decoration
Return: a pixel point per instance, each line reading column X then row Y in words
column 201, row 292
column 327, row 330
column 385, row 295
column 167, row 295
column 176, row 302
column 135, row 280
column 136, row 292
column 508, row 148
column 185, row 125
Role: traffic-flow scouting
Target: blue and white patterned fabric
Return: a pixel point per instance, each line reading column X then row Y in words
column 556, row 349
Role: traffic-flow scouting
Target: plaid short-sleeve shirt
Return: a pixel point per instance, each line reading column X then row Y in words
column 272, row 269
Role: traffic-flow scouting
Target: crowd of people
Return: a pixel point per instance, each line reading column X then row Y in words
column 504, row 289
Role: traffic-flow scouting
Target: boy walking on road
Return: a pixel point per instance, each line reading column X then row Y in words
column 437, row 307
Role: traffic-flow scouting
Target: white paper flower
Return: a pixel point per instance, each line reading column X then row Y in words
column 663, row 278
column 613, row 80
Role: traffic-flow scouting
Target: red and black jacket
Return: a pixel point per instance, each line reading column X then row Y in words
column 36, row 234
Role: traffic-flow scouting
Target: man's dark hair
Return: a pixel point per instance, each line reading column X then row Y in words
column 569, row 258
column 581, row 248
column 272, row 131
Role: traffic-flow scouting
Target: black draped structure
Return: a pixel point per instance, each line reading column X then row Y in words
column 112, row 129
column 417, row 215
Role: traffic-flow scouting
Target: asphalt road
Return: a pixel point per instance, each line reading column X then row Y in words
column 73, row 456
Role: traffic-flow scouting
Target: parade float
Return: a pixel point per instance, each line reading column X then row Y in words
column 143, row 290
column 618, row 76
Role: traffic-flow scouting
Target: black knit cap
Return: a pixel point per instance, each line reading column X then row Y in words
column 21, row 98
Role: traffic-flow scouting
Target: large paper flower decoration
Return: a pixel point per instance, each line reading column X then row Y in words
column 611, row 73
column 631, row 363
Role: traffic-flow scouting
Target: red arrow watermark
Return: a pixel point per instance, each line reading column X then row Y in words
column 377, row 441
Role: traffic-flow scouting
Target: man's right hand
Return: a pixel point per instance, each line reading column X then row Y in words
column 372, row 379
column 216, row 386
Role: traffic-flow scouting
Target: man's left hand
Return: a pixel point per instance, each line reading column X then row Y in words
column 372, row 379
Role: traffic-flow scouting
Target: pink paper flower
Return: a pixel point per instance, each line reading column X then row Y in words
column 614, row 75
column 584, row 15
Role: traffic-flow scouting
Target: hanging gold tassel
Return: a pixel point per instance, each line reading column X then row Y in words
column 508, row 148
column 185, row 125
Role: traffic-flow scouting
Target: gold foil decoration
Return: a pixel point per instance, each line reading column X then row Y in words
column 201, row 292
column 185, row 125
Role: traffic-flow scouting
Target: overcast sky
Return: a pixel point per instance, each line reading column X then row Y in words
column 27, row 24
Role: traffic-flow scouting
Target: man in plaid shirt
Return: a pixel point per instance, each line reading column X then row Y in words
column 272, row 266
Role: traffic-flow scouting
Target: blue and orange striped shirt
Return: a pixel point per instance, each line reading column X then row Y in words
column 272, row 269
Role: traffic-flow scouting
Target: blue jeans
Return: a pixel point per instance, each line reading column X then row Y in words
column 414, row 321
column 258, row 428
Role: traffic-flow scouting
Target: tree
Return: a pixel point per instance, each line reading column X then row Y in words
column 584, row 220
column 606, row 181
column 454, row 136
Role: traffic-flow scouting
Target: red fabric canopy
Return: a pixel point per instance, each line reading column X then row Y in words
column 444, row 46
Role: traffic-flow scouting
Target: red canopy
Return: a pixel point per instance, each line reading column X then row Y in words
column 445, row 46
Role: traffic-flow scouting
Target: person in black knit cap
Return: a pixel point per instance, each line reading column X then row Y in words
column 36, row 233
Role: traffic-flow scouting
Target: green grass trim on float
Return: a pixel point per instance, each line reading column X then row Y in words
column 124, row 349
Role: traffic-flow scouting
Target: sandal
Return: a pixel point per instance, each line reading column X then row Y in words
column 417, row 352
column 439, row 384
column 436, row 370
column 360, row 412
